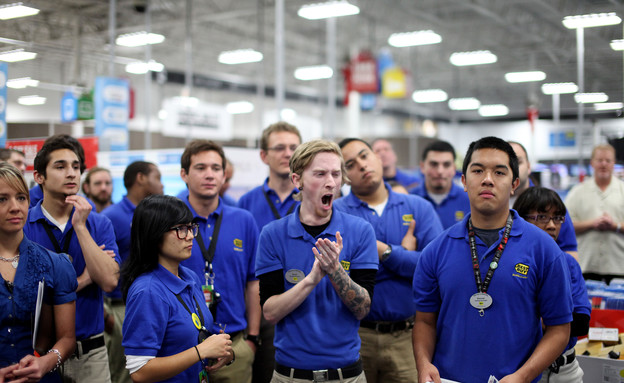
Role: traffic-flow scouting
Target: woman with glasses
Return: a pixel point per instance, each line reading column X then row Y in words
column 164, row 331
column 543, row 208
column 27, row 268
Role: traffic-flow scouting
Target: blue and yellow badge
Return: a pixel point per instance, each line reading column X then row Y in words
column 459, row 215
column 345, row 265
column 196, row 321
column 238, row 244
column 521, row 270
column 407, row 218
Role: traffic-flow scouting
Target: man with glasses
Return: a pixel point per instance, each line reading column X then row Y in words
column 597, row 210
column 223, row 256
column 270, row 201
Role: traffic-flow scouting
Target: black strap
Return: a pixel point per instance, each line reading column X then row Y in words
column 276, row 214
column 483, row 287
column 210, row 253
column 199, row 312
column 57, row 246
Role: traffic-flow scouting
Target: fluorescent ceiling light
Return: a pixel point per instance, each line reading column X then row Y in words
column 617, row 45
column 609, row 106
column 288, row 114
column 473, row 58
column 409, row 39
column 239, row 107
column 327, row 10
column 493, row 110
column 21, row 83
column 591, row 20
column 586, row 98
column 515, row 77
column 138, row 39
column 466, row 103
column 240, row 56
column 31, row 100
column 15, row 10
column 316, row 72
column 559, row 88
column 429, row 95
column 142, row 67
column 17, row 55
column 187, row 101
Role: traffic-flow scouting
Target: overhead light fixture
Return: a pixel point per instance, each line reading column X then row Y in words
column 143, row 67
column 31, row 100
column 494, row 110
column 15, row 10
column 288, row 114
column 240, row 56
column 17, row 55
column 239, row 107
column 465, row 103
column 187, row 101
column 316, row 72
column 515, row 77
column 591, row 20
column 617, row 45
column 429, row 95
column 21, row 83
column 139, row 39
column 409, row 39
column 473, row 58
column 559, row 88
column 587, row 98
column 609, row 106
column 326, row 10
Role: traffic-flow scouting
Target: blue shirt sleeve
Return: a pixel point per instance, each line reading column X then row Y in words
column 147, row 315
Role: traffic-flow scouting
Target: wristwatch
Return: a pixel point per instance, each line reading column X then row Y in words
column 255, row 339
column 386, row 254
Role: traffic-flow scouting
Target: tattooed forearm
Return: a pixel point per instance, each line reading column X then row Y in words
column 354, row 296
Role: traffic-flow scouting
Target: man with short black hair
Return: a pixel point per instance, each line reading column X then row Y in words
column 383, row 148
column 15, row 157
column 98, row 187
column 484, row 287
column 449, row 200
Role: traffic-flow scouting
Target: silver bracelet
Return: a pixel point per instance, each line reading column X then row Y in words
column 59, row 359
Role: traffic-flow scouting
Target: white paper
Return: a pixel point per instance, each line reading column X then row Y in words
column 40, row 289
column 492, row 379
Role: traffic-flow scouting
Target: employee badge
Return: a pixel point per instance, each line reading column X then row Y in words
column 294, row 276
column 208, row 294
column 480, row 301
column 203, row 376
column 196, row 321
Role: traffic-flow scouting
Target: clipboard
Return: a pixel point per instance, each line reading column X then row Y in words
column 39, row 303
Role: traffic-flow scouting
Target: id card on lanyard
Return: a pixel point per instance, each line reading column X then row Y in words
column 211, row 296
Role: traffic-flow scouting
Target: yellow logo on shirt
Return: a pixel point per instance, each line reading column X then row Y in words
column 522, row 268
column 408, row 218
column 345, row 265
column 238, row 243
column 459, row 215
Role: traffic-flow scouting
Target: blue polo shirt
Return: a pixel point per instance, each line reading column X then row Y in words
column 89, row 302
column 233, row 263
column 36, row 195
column 452, row 209
column 531, row 282
column 183, row 195
column 157, row 324
column 255, row 202
column 120, row 215
column 406, row 179
column 579, row 292
column 322, row 332
column 395, row 275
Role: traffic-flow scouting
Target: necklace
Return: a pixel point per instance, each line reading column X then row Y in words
column 14, row 261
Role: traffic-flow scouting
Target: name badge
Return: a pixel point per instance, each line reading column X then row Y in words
column 294, row 276
column 480, row 301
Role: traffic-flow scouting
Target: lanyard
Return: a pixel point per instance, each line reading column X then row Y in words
column 199, row 325
column 276, row 214
column 57, row 246
column 210, row 253
column 482, row 287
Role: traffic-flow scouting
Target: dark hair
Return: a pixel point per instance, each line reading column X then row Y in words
column 198, row 146
column 281, row 126
column 91, row 172
column 153, row 217
column 492, row 143
column 349, row 140
column 57, row 142
column 526, row 154
column 438, row 146
column 539, row 199
column 5, row 153
column 131, row 172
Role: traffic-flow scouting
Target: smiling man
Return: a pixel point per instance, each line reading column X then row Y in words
column 485, row 285
column 223, row 256
column 404, row 225
column 317, row 272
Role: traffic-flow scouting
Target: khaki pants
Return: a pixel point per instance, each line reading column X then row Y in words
column 91, row 367
column 240, row 370
column 116, row 353
column 279, row 378
column 388, row 357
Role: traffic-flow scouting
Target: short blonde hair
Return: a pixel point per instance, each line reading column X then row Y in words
column 14, row 178
column 598, row 148
column 305, row 153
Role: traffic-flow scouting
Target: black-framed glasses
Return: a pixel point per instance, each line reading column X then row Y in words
column 183, row 230
column 282, row 148
column 543, row 218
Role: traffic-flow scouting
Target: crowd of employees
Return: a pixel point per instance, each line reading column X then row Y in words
column 295, row 282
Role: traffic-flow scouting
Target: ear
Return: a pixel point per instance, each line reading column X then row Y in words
column 184, row 176
column 39, row 178
column 422, row 167
column 263, row 156
column 464, row 182
column 140, row 178
column 296, row 180
column 514, row 185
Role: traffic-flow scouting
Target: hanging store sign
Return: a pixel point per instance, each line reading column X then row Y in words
column 69, row 107
column 31, row 147
column 394, row 83
column 195, row 119
column 112, row 100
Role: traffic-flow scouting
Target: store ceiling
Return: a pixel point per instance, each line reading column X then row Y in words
column 524, row 34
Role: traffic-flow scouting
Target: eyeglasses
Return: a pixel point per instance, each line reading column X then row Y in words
column 282, row 148
column 183, row 230
column 543, row 218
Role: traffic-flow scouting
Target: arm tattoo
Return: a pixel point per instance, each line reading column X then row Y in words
column 354, row 296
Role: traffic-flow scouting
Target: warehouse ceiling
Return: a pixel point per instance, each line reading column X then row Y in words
column 72, row 36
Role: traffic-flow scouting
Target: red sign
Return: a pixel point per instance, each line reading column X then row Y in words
column 31, row 147
column 361, row 75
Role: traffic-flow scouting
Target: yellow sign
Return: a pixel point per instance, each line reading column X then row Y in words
column 345, row 265
column 394, row 83
column 522, row 268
